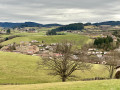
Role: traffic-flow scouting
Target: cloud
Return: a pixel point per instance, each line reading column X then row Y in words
column 59, row 11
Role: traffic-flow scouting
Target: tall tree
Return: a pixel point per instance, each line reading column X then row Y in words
column 66, row 62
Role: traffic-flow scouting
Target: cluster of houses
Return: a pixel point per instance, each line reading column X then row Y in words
column 31, row 48
column 94, row 51
column 29, row 30
column 27, row 48
column 102, row 27
column 75, row 32
column 105, row 27
column 3, row 32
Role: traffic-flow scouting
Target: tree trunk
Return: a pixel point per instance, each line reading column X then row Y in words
column 111, row 71
column 63, row 79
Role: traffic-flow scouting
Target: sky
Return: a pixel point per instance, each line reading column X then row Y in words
column 59, row 11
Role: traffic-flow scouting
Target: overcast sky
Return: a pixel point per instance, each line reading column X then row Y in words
column 59, row 11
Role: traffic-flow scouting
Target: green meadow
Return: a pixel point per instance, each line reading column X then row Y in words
column 78, row 39
column 17, row 68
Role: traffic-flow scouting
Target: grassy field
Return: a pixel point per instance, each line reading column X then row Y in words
column 19, row 68
column 42, row 31
column 22, row 69
column 81, row 85
column 79, row 39
column 46, row 29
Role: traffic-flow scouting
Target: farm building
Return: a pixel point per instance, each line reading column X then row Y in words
column 27, row 48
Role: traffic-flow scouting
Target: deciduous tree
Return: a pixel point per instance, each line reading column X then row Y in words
column 66, row 62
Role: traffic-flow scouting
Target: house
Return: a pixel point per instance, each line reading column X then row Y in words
column 49, row 48
column 34, row 41
column 32, row 49
column 42, row 49
column 105, row 27
column 91, row 49
column 99, row 55
column 53, row 44
column 42, row 45
column 27, row 48
column 31, row 30
column 25, row 43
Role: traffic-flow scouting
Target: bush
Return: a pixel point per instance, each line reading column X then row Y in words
column 52, row 32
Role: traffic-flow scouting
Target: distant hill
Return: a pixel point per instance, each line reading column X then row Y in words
column 112, row 23
column 74, row 26
column 8, row 24
column 30, row 24
column 26, row 24
column 50, row 25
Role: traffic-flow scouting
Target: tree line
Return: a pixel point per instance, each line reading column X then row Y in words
column 75, row 26
column 105, row 43
column 8, row 38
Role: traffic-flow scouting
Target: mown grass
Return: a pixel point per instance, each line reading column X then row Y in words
column 22, row 69
column 81, row 85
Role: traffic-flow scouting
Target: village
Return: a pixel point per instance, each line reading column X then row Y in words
column 40, row 48
column 30, row 48
column 36, row 48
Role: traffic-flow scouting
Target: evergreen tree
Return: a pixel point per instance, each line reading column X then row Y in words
column 104, row 43
column 8, row 31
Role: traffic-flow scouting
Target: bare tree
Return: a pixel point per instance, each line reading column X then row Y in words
column 66, row 62
column 112, row 60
